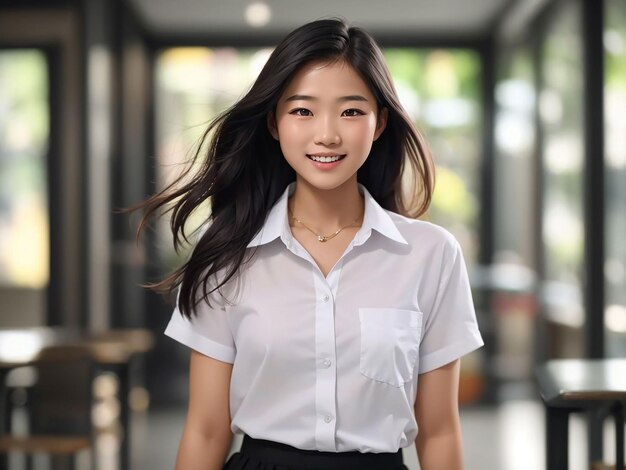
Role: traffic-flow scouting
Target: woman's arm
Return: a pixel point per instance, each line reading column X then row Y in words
column 439, row 445
column 206, row 436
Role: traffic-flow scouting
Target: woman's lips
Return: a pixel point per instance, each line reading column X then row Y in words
column 326, row 165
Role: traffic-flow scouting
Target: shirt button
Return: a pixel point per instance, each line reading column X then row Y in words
column 326, row 362
column 328, row 418
column 325, row 298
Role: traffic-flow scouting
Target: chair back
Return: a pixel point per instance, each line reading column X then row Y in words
column 62, row 396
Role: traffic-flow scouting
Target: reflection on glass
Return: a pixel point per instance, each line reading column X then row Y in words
column 561, row 111
column 24, row 233
column 439, row 88
column 514, row 145
column 615, row 161
column 512, row 299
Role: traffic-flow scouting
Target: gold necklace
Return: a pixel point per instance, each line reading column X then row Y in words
column 322, row 238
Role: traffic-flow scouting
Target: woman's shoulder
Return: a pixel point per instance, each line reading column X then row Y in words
column 423, row 231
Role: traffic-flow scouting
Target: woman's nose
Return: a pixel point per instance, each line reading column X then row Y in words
column 327, row 132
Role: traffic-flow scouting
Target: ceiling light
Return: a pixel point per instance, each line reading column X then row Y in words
column 258, row 14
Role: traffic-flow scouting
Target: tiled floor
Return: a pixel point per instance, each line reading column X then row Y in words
column 507, row 437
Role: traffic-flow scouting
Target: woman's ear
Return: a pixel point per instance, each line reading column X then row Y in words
column 271, row 125
column 381, row 122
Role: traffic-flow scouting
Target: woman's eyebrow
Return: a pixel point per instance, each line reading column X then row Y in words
column 341, row 99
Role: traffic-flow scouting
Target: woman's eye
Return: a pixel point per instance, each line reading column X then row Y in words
column 301, row 112
column 353, row 112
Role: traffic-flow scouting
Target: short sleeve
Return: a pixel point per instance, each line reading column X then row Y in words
column 208, row 332
column 450, row 330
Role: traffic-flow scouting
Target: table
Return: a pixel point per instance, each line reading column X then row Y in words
column 113, row 350
column 569, row 385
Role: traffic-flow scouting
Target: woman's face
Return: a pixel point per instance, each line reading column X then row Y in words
column 326, row 121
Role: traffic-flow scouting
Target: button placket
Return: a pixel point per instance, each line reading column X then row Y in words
column 326, row 374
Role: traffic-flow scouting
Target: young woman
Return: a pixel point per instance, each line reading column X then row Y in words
column 326, row 322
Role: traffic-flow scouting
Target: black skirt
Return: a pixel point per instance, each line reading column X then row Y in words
column 259, row 454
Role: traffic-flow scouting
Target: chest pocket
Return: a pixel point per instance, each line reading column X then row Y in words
column 389, row 344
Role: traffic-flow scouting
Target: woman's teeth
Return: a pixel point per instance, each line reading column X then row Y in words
column 326, row 159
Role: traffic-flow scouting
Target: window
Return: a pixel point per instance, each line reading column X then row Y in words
column 515, row 146
column 615, row 161
column 24, row 224
column 561, row 118
column 512, row 296
column 24, row 233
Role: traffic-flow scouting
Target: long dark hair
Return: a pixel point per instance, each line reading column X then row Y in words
column 239, row 168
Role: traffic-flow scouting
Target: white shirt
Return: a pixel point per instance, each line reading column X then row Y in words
column 332, row 364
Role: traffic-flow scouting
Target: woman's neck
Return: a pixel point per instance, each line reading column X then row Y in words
column 327, row 210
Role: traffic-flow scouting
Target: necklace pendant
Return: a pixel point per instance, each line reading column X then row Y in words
column 321, row 238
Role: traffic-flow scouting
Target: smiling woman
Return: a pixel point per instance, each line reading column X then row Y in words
column 314, row 300
column 319, row 128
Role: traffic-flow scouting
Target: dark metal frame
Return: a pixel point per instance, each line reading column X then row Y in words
column 487, row 229
column 594, row 204
column 592, row 17
column 54, row 302
column 593, row 276
column 592, row 24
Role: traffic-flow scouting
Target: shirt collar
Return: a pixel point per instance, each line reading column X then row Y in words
column 375, row 217
column 276, row 223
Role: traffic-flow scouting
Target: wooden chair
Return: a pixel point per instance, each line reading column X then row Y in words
column 59, row 408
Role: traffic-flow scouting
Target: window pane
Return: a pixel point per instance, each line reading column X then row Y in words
column 615, row 158
column 512, row 299
column 24, row 232
column 515, row 147
column 561, row 111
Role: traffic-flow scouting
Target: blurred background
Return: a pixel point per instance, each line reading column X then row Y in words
column 522, row 101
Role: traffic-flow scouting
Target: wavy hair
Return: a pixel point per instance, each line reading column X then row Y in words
column 239, row 168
